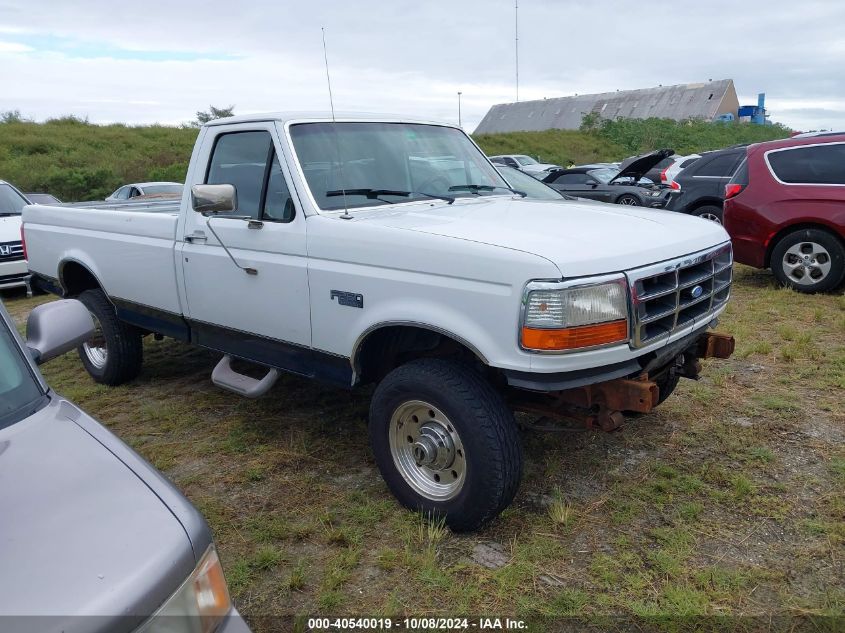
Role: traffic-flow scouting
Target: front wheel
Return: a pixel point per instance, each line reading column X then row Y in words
column 114, row 354
column 445, row 442
column 809, row 260
column 629, row 201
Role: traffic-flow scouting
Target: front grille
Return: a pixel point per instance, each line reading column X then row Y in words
column 11, row 251
column 673, row 295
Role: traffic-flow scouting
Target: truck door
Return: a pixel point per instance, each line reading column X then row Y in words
column 262, row 314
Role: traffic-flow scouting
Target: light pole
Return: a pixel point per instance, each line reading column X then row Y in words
column 459, row 108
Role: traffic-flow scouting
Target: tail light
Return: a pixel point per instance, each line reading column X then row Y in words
column 732, row 189
column 23, row 243
column 663, row 175
column 675, row 185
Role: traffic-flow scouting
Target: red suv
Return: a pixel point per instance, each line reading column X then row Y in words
column 785, row 210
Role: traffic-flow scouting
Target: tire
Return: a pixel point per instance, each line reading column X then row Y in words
column 483, row 444
column 115, row 354
column 709, row 212
column 666, row 383
column 809, row 260
column 629, row 201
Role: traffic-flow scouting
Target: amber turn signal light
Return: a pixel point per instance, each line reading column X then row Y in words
column 575, row 337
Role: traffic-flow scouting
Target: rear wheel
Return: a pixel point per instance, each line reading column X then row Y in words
column 114, row 354
column 629, row 201
column 709, row 212
column 445, row 442
column 809, row 260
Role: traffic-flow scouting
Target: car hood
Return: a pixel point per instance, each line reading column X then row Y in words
column 80, row 533
column 639, row 166
column 579, row 238
column 10, row 228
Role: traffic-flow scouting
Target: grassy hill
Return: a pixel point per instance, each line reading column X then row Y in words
column 600, row 141
column 75, row 160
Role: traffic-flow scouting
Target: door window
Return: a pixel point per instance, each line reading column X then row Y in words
column 573, row 179
column 248, row 161
column 719, row 166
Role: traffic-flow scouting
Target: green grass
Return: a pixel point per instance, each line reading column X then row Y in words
column 727, row 500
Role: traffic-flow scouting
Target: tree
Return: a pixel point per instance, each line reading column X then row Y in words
column 11, row 116
column 213, row 113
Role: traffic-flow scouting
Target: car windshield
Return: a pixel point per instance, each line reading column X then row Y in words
column 604, row 175
column 529, row 185
column 151, row 189
column 526, row 160
column 20, row 393
column 362, row 164
column 11, row 202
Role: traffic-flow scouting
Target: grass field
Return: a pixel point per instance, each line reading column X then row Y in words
column 728, row 500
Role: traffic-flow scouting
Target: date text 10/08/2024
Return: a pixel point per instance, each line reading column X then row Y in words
column 413, row 624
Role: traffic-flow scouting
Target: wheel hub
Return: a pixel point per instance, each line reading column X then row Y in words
column 427, row 450
column 806, row 263
column 434, row 447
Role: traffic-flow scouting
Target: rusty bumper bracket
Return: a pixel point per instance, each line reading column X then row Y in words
column 602, row 405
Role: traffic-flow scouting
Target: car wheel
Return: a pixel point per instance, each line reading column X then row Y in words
column 115, row 353
column 445, row 442
column 809, row 260
column 629, row 201
column 709, row 212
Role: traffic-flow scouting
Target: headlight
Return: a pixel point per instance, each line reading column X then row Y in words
column 199, row 605
column 574, row 315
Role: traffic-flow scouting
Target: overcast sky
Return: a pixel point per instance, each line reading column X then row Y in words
column 155, row 61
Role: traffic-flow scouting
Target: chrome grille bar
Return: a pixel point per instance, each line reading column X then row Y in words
column 674, row 294
column 11, row 251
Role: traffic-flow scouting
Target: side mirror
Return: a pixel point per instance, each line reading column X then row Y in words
column 214, row 198
column 58, row 327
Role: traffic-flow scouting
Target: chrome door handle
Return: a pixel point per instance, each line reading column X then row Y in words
column 197, row 237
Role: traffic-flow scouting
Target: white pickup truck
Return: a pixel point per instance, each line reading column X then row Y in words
column 380, row 250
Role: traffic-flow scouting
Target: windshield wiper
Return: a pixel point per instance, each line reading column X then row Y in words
column 4, row 214
column 477, row 188
column 375, row 194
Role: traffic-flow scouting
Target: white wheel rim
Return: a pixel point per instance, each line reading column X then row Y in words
column 806, row 263
column 95, row 348
column 427, row 450
column 628, row 202
column 712, row 217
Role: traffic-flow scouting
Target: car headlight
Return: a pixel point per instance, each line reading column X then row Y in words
column 199, row 605
column 575, row 315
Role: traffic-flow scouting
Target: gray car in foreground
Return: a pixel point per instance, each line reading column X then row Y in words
column 92, row 537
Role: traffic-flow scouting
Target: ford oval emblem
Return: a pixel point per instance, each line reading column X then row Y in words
column 696, row 292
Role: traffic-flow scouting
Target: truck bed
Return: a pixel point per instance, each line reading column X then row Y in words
column 128, row 246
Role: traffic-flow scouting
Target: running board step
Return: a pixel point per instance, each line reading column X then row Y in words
column 227, row 378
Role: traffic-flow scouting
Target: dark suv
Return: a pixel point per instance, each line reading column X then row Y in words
column 785, row 210
column 702, row 184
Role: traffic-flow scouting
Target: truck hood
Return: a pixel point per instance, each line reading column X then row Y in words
column 80, row 533
column 10, row 228
column 579, row 238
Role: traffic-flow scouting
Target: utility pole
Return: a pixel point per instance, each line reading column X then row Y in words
column 459, row 108
column 516, row 42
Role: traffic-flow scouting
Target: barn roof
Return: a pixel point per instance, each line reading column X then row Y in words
column 683, row 101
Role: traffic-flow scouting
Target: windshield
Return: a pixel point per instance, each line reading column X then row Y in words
column 603, row 175
column 11, row 201
column 20, row 393
column 151, row 189
column 389, row 163
column 529, row 185
column 526, row 160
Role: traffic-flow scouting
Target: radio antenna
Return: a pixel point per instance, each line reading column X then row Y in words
column 345, row 215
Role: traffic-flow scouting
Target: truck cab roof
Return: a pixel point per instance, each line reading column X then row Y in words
column 312, row 115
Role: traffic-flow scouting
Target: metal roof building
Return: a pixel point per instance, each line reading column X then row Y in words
column 702, row 100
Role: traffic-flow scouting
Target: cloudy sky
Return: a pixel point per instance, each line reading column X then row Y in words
column 160, row 61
